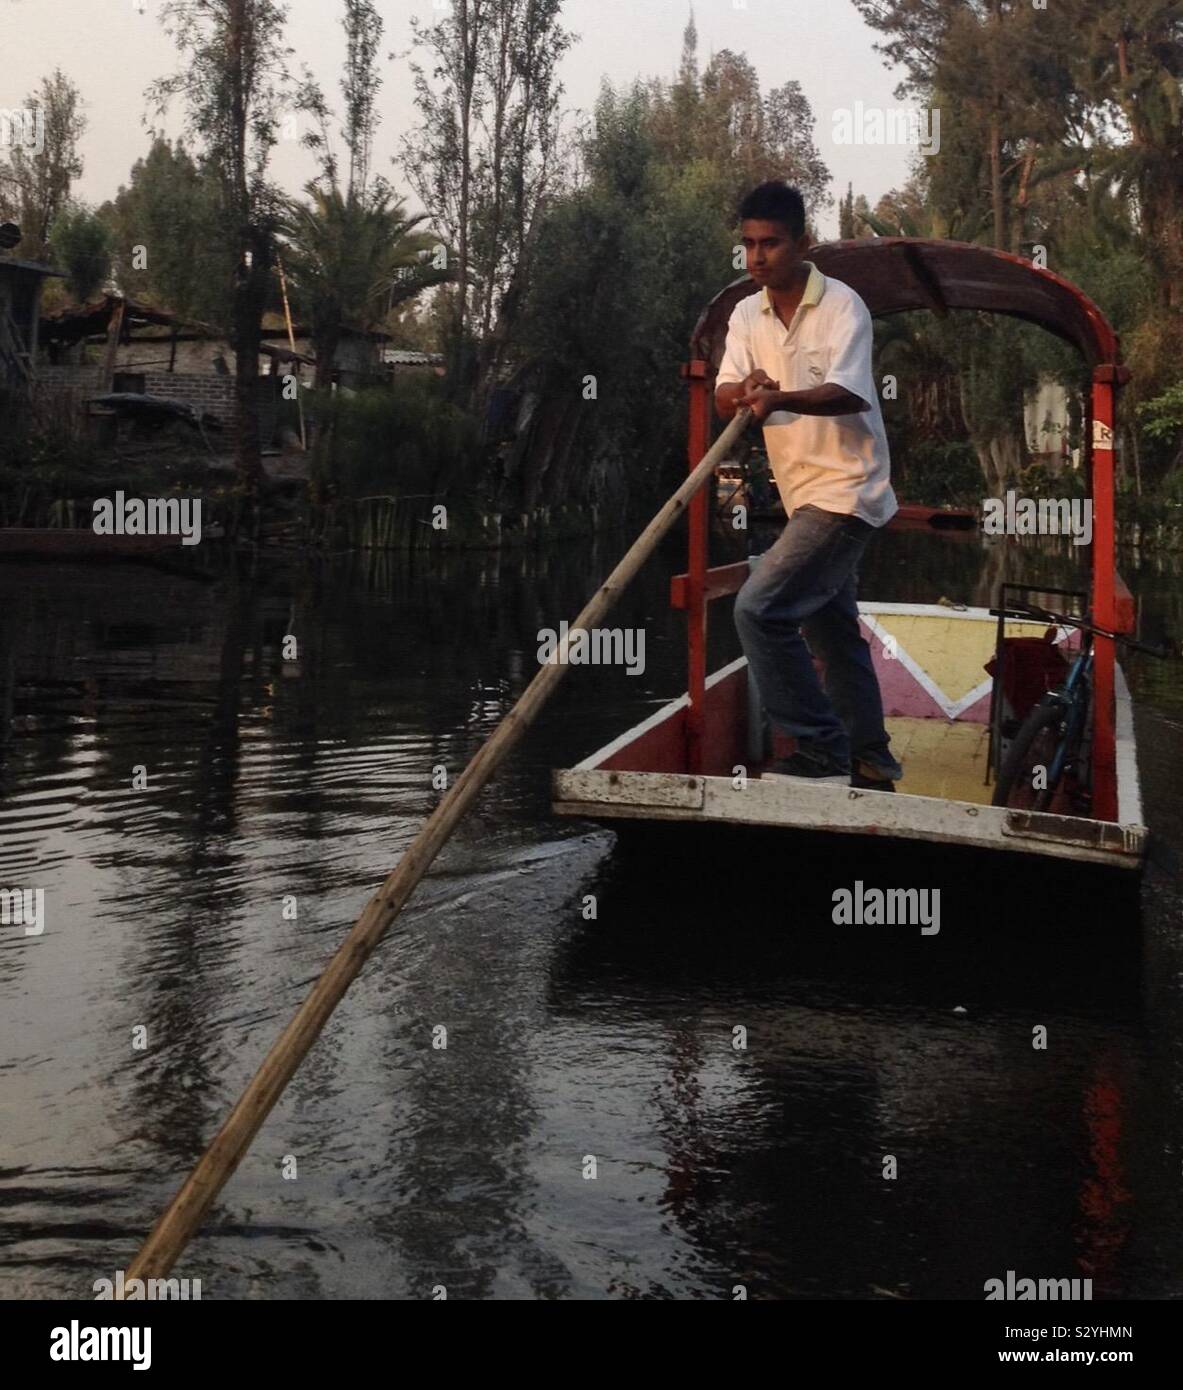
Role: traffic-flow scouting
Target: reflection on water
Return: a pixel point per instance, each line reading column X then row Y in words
column 278, row 795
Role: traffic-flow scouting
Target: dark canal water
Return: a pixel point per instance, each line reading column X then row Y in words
column 418, row 1167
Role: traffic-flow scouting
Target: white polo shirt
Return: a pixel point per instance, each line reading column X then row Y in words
column 839, row 463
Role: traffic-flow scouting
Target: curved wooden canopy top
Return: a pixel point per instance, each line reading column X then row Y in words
column 894, row 274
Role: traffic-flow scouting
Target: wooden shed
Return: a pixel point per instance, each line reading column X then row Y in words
column 20, row 311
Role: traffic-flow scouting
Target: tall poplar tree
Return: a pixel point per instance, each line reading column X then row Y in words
column 36, row 179
column 235, row 84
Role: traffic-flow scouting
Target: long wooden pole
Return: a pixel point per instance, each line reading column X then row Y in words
column 185, row 1212
column 114, row 333
column 287, row 313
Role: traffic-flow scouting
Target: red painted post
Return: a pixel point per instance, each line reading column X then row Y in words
column 696, row 604
column 1104, row 599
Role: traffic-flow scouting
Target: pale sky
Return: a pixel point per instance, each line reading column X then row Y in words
column 112, row 49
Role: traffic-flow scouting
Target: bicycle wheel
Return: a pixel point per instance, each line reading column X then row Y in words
column 1034, row 745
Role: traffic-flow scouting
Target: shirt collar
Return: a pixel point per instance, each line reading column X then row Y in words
column 815, row 287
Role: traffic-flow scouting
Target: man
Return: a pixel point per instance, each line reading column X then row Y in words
column 799, row 354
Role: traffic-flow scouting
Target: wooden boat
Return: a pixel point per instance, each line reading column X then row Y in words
column 79, row 543
column 700, row 759
column 914, row 517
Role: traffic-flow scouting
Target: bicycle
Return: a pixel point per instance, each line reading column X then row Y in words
column 1055, row 734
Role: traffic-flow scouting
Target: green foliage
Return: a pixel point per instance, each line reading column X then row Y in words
column 30, row 443
column 45, row 462
column 1061, row 128
column 360, row 85
column 402, row 440
column 624, row 266
column 994, row 372
column 938, row 474
column 352, row 258
column 234, row 83
column 1162, row 417
column 1162, row 426
column 35, row 182
column 236, row 88
column 353, row 255
column 168, row 236
column 627, row 261
column 80, row 244
column 484, row 158
column 1037, row 480
column 846, row 225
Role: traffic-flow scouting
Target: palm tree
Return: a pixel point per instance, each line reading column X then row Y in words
column 353, row 258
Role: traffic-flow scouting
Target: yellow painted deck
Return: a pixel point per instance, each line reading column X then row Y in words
column 950, row 650
column 942, row 758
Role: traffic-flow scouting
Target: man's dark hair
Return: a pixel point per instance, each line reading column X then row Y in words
column 775, row 202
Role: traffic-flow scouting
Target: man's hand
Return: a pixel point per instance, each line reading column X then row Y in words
column 761, row 400
column 728, row 397
column 757, row 378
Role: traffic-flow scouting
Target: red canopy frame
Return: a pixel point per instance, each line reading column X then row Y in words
column 894, row 275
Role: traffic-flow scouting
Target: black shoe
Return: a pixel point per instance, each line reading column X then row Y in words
column 872, row 777
column 870, row 784
column 814, row 767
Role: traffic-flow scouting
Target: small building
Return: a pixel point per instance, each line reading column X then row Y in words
column 119, row 345
column 21, row 283
column 1046, row 420
column 134, row 340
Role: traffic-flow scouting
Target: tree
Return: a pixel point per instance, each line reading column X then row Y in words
column 846, row 227
column 354, row 254
column 998, row 70
column 1162, row 419
column 627, row 259
column 234, row 84
column 746, row 135
column 168, row 242
column 353, row 260
column 676, row 115
column 518, row 167
column 484, row 159
column 792, row 154
column 1012, row 122
column 598, row 307
column 81, row 245
column 35, row 181
column 360, row 86
column 901, row 212
column 438, row 156
column 1132, row 67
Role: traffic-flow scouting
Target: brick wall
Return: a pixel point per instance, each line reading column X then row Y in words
column 207, row 393
column 86, row 377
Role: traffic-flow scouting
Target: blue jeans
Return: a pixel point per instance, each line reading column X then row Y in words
column 803, row 591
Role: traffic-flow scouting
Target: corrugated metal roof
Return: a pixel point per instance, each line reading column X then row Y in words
column 404, row 357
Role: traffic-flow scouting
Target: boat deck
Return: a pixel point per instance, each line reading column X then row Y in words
column 942, row 759
column 946, row 760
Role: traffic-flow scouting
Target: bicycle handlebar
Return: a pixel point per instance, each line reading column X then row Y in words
column 1162, row 650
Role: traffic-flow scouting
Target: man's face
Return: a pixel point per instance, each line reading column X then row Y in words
column 772, row 254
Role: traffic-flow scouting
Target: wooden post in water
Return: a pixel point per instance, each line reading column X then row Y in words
column 185, row 1212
